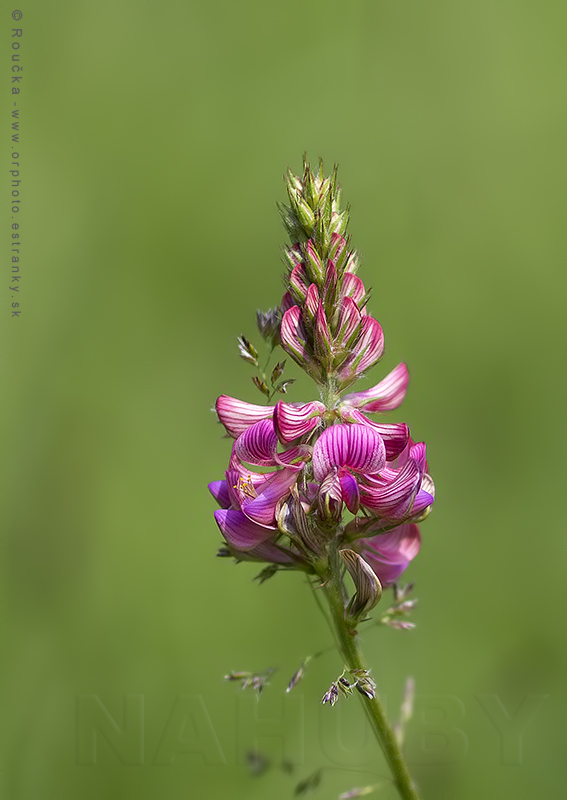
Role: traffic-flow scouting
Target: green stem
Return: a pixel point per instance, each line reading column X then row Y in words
column 334, row 590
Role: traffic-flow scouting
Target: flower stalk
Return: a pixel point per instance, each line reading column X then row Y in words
column 323, row 486
column 348, row 642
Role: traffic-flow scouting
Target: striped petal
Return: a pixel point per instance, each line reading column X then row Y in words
column 294, row 336
column 262, row 509
column 350, row 319
column 237, row 416
column 293, row 420
column 394, row 499
column 358, row 447
column 312, row 302
column 386, row 395
column 258, row 444
column 239, row 531
column 353, row 287
column 323, row 340
column 390, row 553
column 367, row 350
column 395, row 436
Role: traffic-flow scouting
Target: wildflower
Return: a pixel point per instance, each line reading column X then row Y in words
column 325, row 486
column 296, row 468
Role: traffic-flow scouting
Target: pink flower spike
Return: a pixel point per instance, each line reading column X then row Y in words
column 237, row 416
column 293, row 420
column 386, row 395
column 239, row 531
column 355, row 446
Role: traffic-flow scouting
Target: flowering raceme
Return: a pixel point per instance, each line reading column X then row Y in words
column 305, row 478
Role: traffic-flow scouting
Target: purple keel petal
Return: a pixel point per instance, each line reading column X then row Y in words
column 390, row 553
column 386, row 395
column 237, row 416
column 239, row 531
column 349, row 487
column 358, row 447
column 262, row 509
column 422, row 501
column 219, row 490
column 292, row 420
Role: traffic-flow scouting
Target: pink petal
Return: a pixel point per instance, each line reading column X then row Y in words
column 297, row 285
column 390, row 553
column 292, row 420
column 386, row 395
column 294, row 457
column 394, row 499
column 312, row 302
column 267, row 551
column 237, row 416
column 239, row 531
column 350, row 320
column 286, row 303
column 337, row 246
column 323, row 342
column 243, row 486
column 262, row 509
column 367, row 350
column 313, row 263
column 395, row 436
column 294, row 336
column 355, row 446
column 219, row 490
column 370, row 346
column 353, row 287
column 258, row 444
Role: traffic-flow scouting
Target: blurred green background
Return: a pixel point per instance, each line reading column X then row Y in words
column 154, row 137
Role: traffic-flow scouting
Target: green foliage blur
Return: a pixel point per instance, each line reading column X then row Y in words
column 154, row 137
